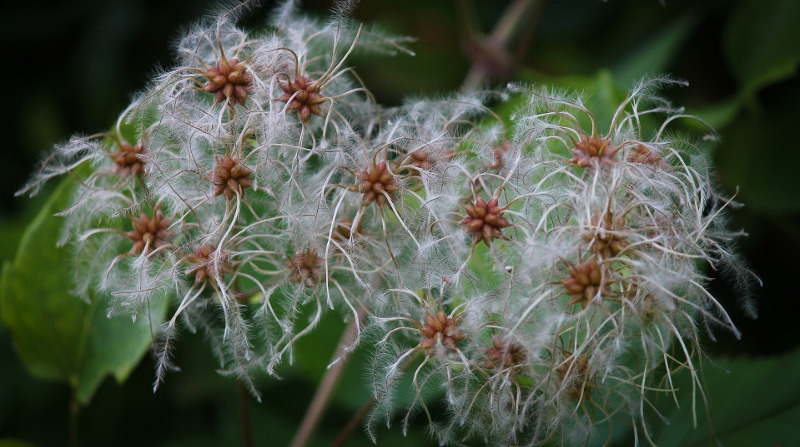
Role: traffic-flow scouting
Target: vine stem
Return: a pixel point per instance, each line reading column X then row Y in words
column 319, row 403
column 74, row 411
column 353, row 423
column 244, row 416
column 504, row 30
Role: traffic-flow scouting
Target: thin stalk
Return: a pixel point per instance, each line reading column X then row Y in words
column 244, row 416
column 322, row 397
column 354, row 422
column 517, row 13
column 74, row 411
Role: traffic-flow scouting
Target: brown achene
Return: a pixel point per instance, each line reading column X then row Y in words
column 592, row 150
column 377, row 183
column 303, row 96
column 585, row 281
column 504, row 355
column 149, row 233
column 230, row 177
column 440, row 329
column 485, row 221
column 574, row 372
column 128, row 159
column 306, row 267
column 206, row 262
column 229, row 81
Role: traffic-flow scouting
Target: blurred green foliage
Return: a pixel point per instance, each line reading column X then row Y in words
column 740, row 57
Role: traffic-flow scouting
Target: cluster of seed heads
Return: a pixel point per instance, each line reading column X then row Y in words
column 532, row 271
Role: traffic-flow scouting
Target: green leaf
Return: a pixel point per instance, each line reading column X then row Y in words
column 755, row 156
column 13, row 443
column 654, row 55
column 761, row 42
column 756, row 404
column 601, row 93
column 57, row 335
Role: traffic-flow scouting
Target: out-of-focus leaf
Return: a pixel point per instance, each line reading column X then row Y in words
column 14, row 443
column 756, row 157
column 717, row 115
column 761, row 42
column 57, row 335
column 654, row 56
column 756, row 404
column 601, row 93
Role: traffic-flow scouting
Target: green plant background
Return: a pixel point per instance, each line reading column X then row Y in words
column 72, row 66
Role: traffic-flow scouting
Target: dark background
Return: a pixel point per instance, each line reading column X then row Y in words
column 71, row 67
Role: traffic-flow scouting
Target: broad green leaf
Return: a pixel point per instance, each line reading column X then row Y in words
column 59, row 336
column 761, row 42
column 756, row 404
column 654, row 56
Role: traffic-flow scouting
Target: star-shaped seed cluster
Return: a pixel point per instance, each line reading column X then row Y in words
column 229, row 81
column 377, row 183
column 303, row 96
column 485, row 221
column 128, row 160
column 585, row 281
column 148, row 232
column 206, row 262
column 306, row 267
column 230, row 177
column 594, row 150
column 440, row 330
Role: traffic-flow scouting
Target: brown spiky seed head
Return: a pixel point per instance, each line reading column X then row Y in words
column 644, row 155
column 303, row 96
column 440, row 330
column 605, row 242
column 229, row 81
column 575, row 381
column 149, row 232
column 343, row 230
column 230, row 177
column 485, row 221
column 585, row 281
column 128, row 159
column 424, row 159
column 206, row 262
column 376, row 181
column 504, row 355
column 306, row 267
column 592, row 150
column 421, row 160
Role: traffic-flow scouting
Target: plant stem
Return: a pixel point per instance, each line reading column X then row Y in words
column 353, row 423
column 504, row 30
column 244, row 416
column 74, row 411
column 322, row 397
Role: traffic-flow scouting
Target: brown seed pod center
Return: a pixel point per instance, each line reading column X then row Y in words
column 149, row 232
column 485, row 221
column 303, row 96
column 229, row 81
column 592, row 150
column 585, row 281
column 306, row 267
column 230, row 177
column 441, row 330
column 206, row 262
column 377, row 183
column 128, row 160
